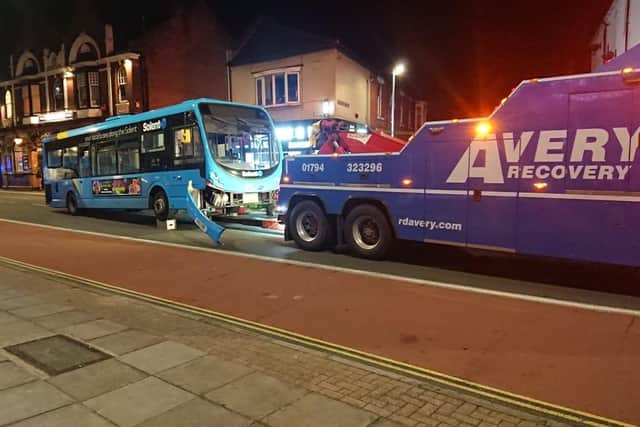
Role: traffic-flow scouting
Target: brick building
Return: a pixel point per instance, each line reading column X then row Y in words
column 86, row 79
column 49, row 90
column 185, row 57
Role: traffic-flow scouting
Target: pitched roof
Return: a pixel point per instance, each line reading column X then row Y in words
column 267, row 41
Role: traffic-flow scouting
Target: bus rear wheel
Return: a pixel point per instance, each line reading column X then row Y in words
column 309, row 226
column 367, row 232
column 72, row 204
column 160, row 205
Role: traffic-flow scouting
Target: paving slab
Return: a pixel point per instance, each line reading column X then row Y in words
column 315, row 410
column 387, row 423
column 30, row 399
column 9, row 292
column 74, row 415
column 64, row 319
column 198, row 413
column 19, row 331
column 255, row 395
column 97, row 379
column 126, row 341
column 12, row 375
column 93, row 329
column 39, row 310
column 162, row 356
column 19, row 302
column 138, row 402
column 6, row 317
column 204, row 374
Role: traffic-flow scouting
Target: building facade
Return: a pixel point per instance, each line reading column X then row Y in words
column 50, row 91
column 618, row 32
column 301, row 78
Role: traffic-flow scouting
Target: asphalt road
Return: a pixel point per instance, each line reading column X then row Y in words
column 580, row 282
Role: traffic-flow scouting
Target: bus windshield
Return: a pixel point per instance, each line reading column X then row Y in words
column 240, row 138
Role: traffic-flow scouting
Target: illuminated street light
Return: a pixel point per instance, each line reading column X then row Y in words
column 398, row 70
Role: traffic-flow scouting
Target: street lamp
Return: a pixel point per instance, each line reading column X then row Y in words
column 398, row 70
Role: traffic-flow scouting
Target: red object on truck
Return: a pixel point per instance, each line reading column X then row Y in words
column 332, row 140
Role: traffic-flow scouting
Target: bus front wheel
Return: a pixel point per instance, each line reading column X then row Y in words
column 309, row 226
column 72, row 204
column 367, row 232
column 160, row 205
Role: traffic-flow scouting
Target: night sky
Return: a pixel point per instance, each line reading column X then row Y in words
column 462, row 56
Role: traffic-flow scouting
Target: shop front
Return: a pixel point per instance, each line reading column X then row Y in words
column 20, row 155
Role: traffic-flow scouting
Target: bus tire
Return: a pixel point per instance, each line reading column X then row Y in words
column 72, row 204
column 160, row 205
column 367, row 232
column 309, row 226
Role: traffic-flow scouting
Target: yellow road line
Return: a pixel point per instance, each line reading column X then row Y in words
column 495, row 394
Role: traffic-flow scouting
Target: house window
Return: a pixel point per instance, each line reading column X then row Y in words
column 94, row 89
column 83, row 96
column 8, row 102
column 35, row 98
column 43, row 96
column 379, row 102
column 278, row 89
column 122, row 84
column 410, row 117
column 26, row 104
column 58, row 94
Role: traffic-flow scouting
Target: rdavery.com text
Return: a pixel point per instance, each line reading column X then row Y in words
column 430, row 224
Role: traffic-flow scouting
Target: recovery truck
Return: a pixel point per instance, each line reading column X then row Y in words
column 553, row 171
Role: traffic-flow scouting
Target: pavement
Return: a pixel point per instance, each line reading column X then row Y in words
column 155, row 366
column 533, row 348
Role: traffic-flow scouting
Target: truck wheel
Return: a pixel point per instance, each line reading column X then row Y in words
column 309, row 226
column 72, row 204
column 160, row 205
column 367, row 232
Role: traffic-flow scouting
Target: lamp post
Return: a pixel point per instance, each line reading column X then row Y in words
column 398, row 70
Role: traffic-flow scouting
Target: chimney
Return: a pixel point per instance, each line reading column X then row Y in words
column 11, row 69
column 108, row 39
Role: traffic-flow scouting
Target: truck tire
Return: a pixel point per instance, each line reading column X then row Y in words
column 309, row 226
column 367, row 232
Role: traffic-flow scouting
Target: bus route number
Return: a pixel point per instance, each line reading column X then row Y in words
column 357, row 167
column 313, row 167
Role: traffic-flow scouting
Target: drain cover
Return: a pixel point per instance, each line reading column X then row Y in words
column 57, row 354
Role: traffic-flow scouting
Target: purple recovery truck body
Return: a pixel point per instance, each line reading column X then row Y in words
column 554, row 171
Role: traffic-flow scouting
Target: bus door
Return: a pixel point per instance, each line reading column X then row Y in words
column 188, row 160
column 492, row 192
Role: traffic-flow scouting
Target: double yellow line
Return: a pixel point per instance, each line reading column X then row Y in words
column 560, row 413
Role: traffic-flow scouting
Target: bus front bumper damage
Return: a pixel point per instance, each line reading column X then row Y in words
column 210, row 228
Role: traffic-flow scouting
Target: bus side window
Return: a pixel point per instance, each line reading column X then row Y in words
column 106, row 159
column 153, row 142
column 129, row 156
column 70, row 162
column 84, row 159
